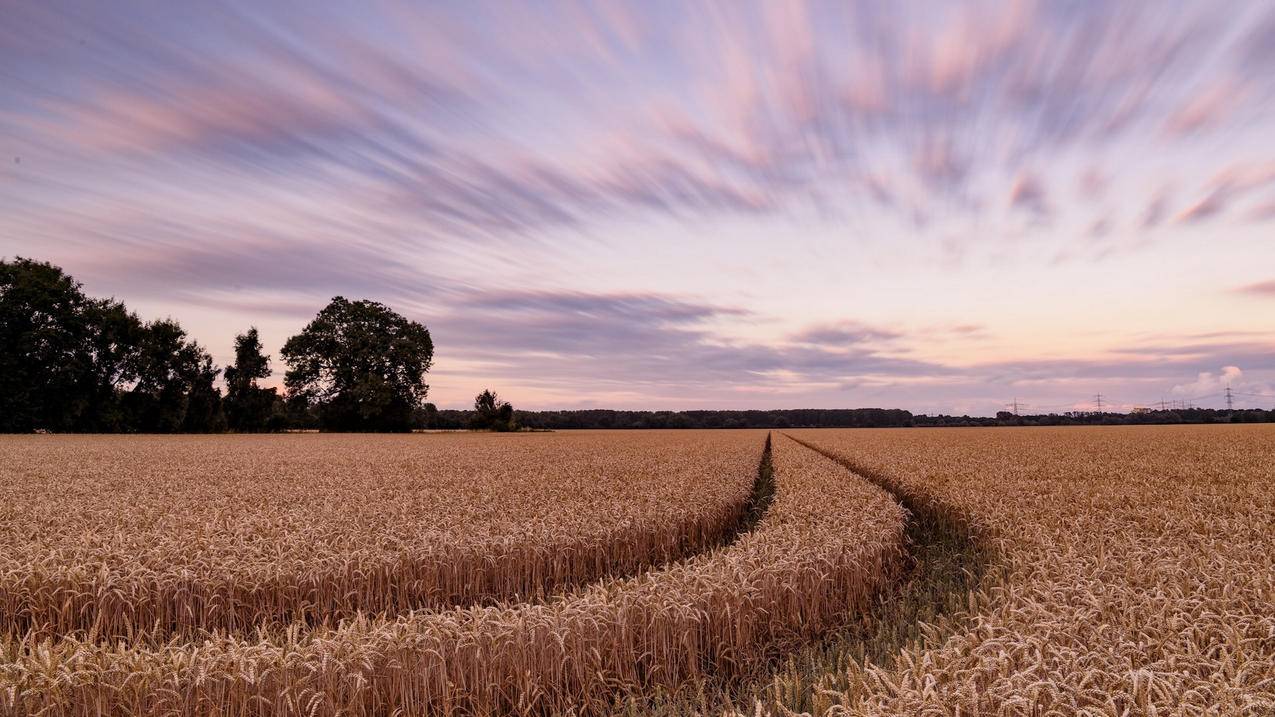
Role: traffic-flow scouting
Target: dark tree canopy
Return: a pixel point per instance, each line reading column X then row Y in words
column 115, row 335
column 45, row 347
column 361, row 364
column 72, row 363
column 492, row 414
column 249, row 407
column 174, row 390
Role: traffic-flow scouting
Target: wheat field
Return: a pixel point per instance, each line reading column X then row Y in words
column 713, row 615
column 132, row 536
column 1119, row 571
column 1133, row 571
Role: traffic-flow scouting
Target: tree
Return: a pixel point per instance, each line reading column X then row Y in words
column 115, row 335
column 425, row 417
column 361, row 364
column 64, row 357
column 44, row 350
column 492, row 414
column 204, row 411
column 249, row 408
column 72, row 363
column 174, row 389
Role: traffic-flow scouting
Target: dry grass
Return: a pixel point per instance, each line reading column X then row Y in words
column 827, row 543
column 1134, row 573
column 155, row 537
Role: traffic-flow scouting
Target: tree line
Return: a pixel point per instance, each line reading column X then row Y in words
column 73, row 363
column 613, row 419
column 832, row 418
column 1105, row 418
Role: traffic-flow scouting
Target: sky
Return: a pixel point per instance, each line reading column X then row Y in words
column 937, row 206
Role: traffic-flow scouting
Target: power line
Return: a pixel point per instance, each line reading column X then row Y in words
column 1102, row 401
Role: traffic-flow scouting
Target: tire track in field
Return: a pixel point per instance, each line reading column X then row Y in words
column 683, row 541
column 945, row 563
column 752, row 510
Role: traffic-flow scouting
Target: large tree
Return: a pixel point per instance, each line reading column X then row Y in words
column 249, row 407
column 44, row 346
column 361, row 364
column 72, row 363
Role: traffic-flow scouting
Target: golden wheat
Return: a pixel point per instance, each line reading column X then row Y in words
column 827, row 543
column 1134, row 573
column 124, row 536
column 1136, row 570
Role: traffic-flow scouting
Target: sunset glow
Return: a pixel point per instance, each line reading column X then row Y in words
column 933, row 206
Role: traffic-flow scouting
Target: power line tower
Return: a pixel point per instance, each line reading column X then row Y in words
column 1098, row 399
column 1228, row 399
column 1016, row 405
column 1162, row 404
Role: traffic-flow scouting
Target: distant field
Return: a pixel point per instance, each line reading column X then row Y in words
column 1034, row 571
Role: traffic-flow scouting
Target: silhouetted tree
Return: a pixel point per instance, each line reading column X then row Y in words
column 72, row 363
column 361, row 364
column 115, row 335
column 249, row 407
column 492, row 414
column 174, row 389
column 204, row 412
column 44, row 352
column 425, row 417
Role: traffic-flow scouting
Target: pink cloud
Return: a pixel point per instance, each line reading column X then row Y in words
column 1211, row 205
column 1261, row 288
column 1263, row 212
column 1207, row 382
column 1229, row 185
column 1029, row 193
column 1207, row 108
column 867, row 93
column 949, row 62
column 184, row 114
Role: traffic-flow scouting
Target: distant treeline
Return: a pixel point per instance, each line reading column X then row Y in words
column 1106, row 418
column 603, row 418
column 826, row 418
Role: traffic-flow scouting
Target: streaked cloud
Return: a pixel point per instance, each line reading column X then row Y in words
column 709, row 202
column 844, row 333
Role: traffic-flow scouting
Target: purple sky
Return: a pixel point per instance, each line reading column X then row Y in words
column 936, row 206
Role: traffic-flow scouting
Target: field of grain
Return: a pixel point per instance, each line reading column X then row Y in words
column 1133, row 572
column 1069, row 571
column 162, row 536
column 714, row 615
